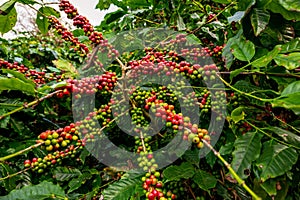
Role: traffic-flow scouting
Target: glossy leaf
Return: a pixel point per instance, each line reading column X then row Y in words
column 265, row 60
column 276, row 7
column 7, row 22
column 286, row 136
column 70, row 70
column 247, row 149
column 291, row 89
column 27, row 1
column 243, row 50
column 236, row 17
column 7, row 6
column 185, row 171
column 19, row 76
column 289, row 102
column 123, row 188
column 42, row 20
column 291, row 46
column 291, row 5
column 238, row 114
column 222, row 1
column 227, row 54
column 289, row 61
column 75, row 183
column 180, row 23
column 103, row 4
column 246, row 4
column 259, row 20
column 16, row 84
column 192, row 156
column 276, row 159
column 44, row 190
column 65, row 173
column 10, row 183
column 204, row 180
column 289, row 98
column 269, row 186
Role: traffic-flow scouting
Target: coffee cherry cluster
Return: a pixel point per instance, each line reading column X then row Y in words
column 177, row 122
column 89, row 85
column 204, row 100
column 152, row 186
column 209, row 73
column 39, row 77
column 68, row 8
column 68, row 36
column 175, row 190
column 218, row 104
column 210, row 16
column 82, row 22
column 60, row 138
column 105, row 114
column 51, row 159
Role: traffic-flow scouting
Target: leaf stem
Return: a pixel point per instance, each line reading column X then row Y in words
column 20, row 152
column 29, row 104
column 234, row 174
column 15, row 174
column 241, row 92
column 269, row 135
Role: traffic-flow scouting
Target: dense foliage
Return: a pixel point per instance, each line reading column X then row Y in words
column 89, row 112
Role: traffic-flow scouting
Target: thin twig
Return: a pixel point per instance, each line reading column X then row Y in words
column 29, row 104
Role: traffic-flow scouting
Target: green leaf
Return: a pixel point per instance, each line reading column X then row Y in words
column 289, row 102
column 19, row 75
column 243, row 50
column 68, row 68
column 291, row 89
column 16, row 84
column 84, row 153
column 236, row 17
column 175, row 173
column 238, row 114
column 289, row 98
column 285, row 135
column 222, row 1
column 7, row 7
column 9, row 183
column 265, row 60
column 227, row 54
column 75, row 183
column 247, row 149
column 4, row 122
column 245, row 5
column 291, row 5
column 210, row 158
column 291, row 46
column 259, row 20
column 7, row 22
column 289, row 61
column 27, row 1
column 180, row 23
column 103, row 4
column 192, row 156
column 276, row 7
column 270, row 187
column 276, row 159
column 226, row 149
column 41, row 19
column 41, row 191
column 124, row 188
column 204, row 180
column 65, row 173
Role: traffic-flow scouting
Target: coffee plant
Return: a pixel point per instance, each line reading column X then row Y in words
column 162, row 100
